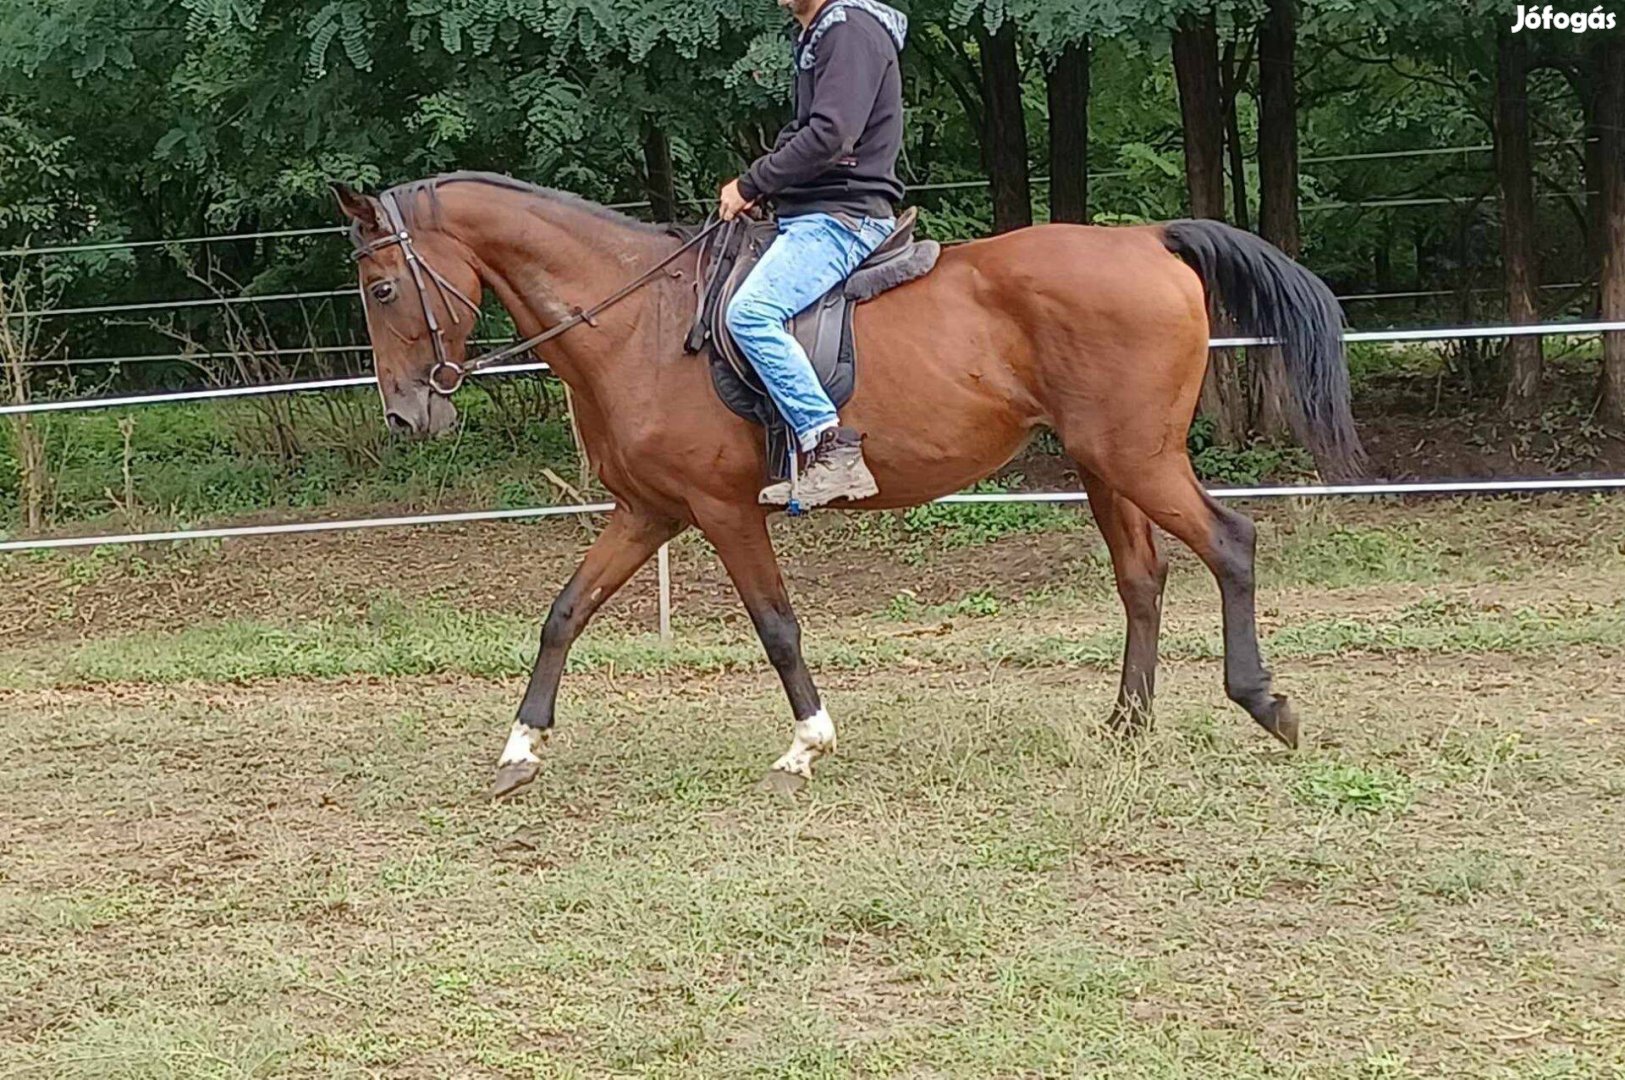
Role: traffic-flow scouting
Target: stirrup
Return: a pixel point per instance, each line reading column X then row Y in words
column 790, row 504
column 793, row 507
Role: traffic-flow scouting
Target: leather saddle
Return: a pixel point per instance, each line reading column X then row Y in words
column 824, row 329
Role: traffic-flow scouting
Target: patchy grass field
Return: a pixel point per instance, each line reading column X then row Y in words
column 253, row 842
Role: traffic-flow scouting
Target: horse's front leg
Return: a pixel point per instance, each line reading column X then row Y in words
column 625, row 545
column 740, row 536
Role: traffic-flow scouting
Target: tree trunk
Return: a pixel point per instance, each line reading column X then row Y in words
column 1196, row 69
column 657, row 173
column 1585, row 80
column 1069, row 134
column 1595, row 168
column 1382, row 261
column 1515, row 176
column 1273, row 411
column 1230, row 78
column 1004, row 134
column 1611, row 194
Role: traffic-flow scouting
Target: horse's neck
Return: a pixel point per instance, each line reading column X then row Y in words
column 546, row 260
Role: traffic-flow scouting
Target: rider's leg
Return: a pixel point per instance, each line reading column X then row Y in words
column 813, row 254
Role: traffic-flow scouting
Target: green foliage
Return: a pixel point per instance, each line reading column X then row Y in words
column 341, row 20
column 148, row 118
column 1353, row 555
column 1248, row 465
column 194, row 463
column 969, row 524
column 1352, row 789
column 906, row 607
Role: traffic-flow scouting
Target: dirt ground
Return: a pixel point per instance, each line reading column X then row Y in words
column 284, row 866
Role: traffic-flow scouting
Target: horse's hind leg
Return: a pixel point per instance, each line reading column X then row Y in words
column 1141, row 570
column 1167, row 490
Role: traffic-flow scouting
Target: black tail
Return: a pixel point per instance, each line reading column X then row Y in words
column 1269, row 295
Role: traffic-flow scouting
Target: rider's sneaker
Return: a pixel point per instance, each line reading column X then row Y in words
column 836, row 470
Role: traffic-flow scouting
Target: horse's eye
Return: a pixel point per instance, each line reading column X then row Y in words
column 383, row 291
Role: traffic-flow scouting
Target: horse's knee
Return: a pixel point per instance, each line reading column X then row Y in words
column 1238, row 530
column 561, row 626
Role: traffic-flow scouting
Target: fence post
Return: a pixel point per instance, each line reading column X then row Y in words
column 664, row 564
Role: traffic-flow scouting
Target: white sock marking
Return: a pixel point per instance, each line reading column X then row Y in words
column 523, row 742
column 814, row 738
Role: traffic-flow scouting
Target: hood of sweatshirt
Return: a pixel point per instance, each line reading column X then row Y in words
column 834, row 13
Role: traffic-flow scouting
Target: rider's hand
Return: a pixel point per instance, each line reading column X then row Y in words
column 731, row 203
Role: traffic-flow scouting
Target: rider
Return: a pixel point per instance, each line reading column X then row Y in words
column 832, row 174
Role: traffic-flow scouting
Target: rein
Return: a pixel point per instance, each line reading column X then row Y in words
column 447, row 375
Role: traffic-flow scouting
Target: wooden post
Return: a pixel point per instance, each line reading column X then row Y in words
column 18, row 333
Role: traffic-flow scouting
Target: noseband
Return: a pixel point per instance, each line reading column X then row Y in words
column 447, row 375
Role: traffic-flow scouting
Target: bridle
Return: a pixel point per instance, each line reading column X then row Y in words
column 447, row 374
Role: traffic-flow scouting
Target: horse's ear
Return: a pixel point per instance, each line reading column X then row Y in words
column 359, row 208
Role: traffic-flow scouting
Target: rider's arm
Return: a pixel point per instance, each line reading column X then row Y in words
column 850, row 63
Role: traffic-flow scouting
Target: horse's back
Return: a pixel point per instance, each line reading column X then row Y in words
column 1099, row 265
column 1050, row 287
column 1058, row 325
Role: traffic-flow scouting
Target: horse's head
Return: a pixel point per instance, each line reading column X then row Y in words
column 416, row 286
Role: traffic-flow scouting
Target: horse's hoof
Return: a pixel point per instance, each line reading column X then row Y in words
column 1283, row 722
column 513, row 776
column 786, row 785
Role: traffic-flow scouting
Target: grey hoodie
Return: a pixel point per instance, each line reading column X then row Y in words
column 839, row 154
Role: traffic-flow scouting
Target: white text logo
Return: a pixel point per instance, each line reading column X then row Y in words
column 1579, row 22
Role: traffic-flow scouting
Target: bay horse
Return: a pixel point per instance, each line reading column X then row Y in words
column 1100, row 334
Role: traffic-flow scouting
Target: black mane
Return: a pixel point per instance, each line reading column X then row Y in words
column 414, row 194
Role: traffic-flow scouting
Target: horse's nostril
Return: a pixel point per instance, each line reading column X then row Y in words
column 397, row 424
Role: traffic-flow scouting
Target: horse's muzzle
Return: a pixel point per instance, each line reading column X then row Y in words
column 418, row 413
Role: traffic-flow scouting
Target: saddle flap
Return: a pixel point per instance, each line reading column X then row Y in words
column 824, row 329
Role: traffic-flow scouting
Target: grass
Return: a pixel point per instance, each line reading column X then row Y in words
column 1347, row 788
column 394, row 639
column 212, row 461
column 981, row 885
column 259, row 847
column 1343, row 555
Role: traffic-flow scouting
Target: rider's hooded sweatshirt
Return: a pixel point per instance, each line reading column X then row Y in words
column 839, row 155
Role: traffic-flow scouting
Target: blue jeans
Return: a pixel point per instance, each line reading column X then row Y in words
column 813, row 254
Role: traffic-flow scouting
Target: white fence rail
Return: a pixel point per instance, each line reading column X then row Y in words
column 218, row 392
column 1322, row 159
column 330, row 294
column 303, row 386
column 1452, row 487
